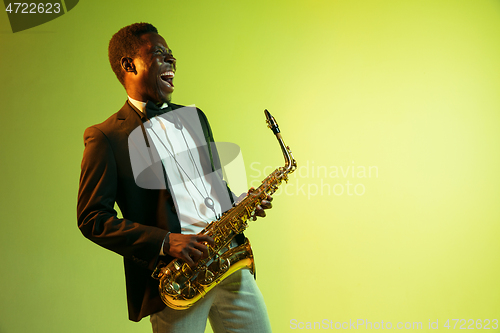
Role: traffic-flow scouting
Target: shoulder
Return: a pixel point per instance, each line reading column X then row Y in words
column 117, row 126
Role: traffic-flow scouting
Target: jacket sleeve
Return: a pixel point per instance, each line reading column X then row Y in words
column 97, row 218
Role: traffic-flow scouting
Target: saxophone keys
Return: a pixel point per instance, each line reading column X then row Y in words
column 173, row 288
column 208, row 276
column 188, row 291
column 223, row 264
column 186, row 270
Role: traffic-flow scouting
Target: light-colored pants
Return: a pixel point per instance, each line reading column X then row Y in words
column 235, row 305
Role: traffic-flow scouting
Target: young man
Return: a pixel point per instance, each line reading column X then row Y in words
column 153, row 226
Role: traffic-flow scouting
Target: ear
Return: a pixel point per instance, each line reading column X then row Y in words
column 128, row 64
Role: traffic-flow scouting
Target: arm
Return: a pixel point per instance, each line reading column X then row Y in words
column 97, row 218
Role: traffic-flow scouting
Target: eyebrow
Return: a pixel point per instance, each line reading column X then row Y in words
column 158, row 47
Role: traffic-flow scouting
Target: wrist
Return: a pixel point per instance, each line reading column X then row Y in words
column 165, row 246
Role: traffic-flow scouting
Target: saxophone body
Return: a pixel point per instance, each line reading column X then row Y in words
column 181, row 285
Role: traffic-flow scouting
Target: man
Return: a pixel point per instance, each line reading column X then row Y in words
column 152, row 227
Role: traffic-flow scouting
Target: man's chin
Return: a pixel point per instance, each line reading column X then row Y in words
column 165, row 98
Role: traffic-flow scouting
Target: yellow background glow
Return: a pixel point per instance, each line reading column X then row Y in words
column 408, row 88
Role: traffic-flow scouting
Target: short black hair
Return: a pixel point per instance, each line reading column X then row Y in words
column 126, row 43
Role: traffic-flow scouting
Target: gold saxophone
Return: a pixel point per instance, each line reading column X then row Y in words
column 181, row 285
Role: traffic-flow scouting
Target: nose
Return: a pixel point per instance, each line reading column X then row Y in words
column 171, row 60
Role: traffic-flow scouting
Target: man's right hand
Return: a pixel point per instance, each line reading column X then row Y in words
column 190, row 248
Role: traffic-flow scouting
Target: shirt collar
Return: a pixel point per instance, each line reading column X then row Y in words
column 141, row 106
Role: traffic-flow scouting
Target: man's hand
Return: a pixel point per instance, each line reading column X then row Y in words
column 190, row 248
column 264, row 204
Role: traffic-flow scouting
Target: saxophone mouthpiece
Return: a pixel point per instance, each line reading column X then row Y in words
column 271, row 122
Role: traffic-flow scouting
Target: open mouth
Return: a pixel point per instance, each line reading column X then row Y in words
column 168, row 77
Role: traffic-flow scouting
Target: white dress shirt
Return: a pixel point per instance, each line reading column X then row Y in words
column 188, row 184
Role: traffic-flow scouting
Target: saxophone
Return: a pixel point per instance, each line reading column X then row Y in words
column 181, row 285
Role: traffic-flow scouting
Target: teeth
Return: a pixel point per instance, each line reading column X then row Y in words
column 170, row 74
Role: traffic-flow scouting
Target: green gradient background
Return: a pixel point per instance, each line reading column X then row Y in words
column 411, row 87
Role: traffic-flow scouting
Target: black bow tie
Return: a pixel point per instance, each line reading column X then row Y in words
column 152, row 110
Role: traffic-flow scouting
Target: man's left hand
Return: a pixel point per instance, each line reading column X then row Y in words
column 260, row 209
column 264, row 204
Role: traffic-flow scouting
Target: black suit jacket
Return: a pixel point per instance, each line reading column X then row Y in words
column 106, row 178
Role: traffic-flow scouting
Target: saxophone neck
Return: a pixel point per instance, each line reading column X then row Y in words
column 290, row 164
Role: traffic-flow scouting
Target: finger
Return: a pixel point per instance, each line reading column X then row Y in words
column 265, row 204
column 269, row 198
column 241, row 197
column 259, row 211
column 196, row 255
column 205, row 238
column 202, row 249
column 187, row 258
